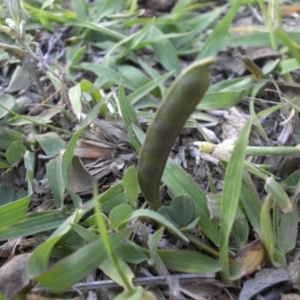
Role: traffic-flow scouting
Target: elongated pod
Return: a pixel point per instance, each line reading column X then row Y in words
column 180, row 101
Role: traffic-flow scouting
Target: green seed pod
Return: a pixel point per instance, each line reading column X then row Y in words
column 180, row 101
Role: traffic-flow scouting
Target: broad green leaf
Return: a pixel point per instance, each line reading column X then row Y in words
column 240, row 231
column 56, row 182
column 165, row 52
column 188, row 261
column 153, row 244
column 214, row 205
column 3, row 165
column 13, row 212
column 7, row 101
column 158, row 218
column 288, row 65
column 132, row 253
column 80, row 180
column 19, row 80
column 182, row 209
column 112, row 197
column 51, row 143
column 15, row 152
column 108, row 75
column 131, row 185
column 82, row 262
column 109, row 269
column 135, row 75
column 220, row 100
column 119, row 215
column 288, row 230
column 8, row 136
column 135, row 96
column 279, row 195
column 80, row 7
column 166, row 213
column 39, row 259
column 86, row 234
column 36, row 222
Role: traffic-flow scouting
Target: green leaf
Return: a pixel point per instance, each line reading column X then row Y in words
column 119, row 215
column 166, row 213
column 108, row 75
column 267, row 234
column 74, row 96
column 231, row 193
column 39, row 259
column 179, row 183
column 88, row 87
column 252, row 207
column 240, row 232
column 20, row 79
column 109, row 269
column 13, row 212
column 51, row 143
column 81, row 262
column 188, row 261
column 79, row 55
column 214, row 42
column 144, row 90
column 80, row 7
column 112, row 197
column 279, row 195
column 7, row 193
column 288, row 229
column 8, row 136
column 68, row 156
column 56, row 182
column 132, row 253
column 289, row 42
column 182, row 209
column 153, row 244
column 131, row 185
column 7, row 101
column 158, row 218
column 165, row 52
column 15, row 152
column 127, row 110
column 220, row 100
column 36, row 222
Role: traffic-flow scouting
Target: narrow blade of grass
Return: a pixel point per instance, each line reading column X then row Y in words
column 231, row 194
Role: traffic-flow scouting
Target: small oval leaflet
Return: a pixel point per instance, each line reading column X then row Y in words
column 182, row 209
